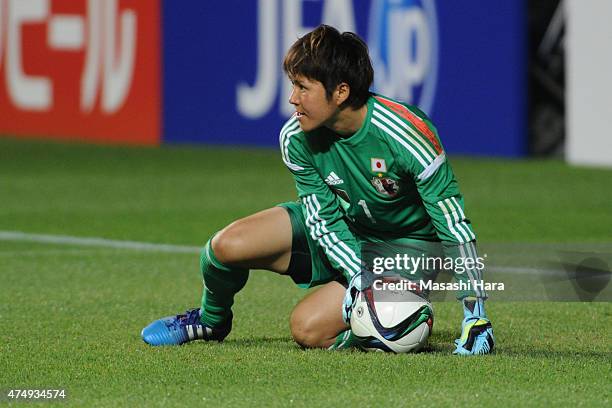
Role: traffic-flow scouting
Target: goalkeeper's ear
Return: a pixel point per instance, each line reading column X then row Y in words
column 341, row 94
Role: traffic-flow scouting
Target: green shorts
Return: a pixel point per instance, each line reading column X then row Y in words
column 309, row 266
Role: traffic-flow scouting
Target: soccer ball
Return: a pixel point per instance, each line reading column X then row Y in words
column 397, row 321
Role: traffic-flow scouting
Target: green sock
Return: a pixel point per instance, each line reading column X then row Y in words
column 345, row 340
column 221, row 283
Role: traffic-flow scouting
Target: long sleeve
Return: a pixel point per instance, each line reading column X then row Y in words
column 444, row 204
column 322, row 210
column 443, row 201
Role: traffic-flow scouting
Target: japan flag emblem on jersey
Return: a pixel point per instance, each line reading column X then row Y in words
column 378, row 165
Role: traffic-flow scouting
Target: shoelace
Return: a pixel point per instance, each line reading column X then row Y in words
column 189, row 317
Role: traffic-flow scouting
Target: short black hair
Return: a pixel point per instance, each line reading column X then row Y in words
column 331, row 57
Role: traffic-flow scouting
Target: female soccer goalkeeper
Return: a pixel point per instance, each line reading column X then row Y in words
column 369, row 171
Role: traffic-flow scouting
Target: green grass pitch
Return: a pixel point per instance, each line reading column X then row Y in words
column 71, row 315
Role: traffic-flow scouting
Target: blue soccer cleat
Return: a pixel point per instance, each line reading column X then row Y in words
column 183, row 328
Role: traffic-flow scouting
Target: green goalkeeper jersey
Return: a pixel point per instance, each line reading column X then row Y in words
column 391, row 179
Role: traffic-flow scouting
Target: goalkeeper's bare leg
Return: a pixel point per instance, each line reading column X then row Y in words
column 260, row 241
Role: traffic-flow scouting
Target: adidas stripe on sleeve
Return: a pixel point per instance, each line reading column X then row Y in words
column 324, row 219
column 412, row 134
column 426, row 162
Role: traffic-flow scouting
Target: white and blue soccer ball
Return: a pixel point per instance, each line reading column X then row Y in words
column 392, row 321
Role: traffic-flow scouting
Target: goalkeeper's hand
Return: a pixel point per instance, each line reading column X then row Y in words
column 476, row 337
column 476, row 329
column 350, row 296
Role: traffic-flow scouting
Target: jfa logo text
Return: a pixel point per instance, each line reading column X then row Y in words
column 402, row 37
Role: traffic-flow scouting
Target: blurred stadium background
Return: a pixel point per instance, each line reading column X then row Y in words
column 512, row 79
column 132, row 130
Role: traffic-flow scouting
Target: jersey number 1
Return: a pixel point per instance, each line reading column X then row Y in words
column 366, row 210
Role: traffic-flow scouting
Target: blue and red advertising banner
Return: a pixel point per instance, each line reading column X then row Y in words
column 150, row 72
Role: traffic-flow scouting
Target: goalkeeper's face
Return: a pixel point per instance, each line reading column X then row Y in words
column 313, row 108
